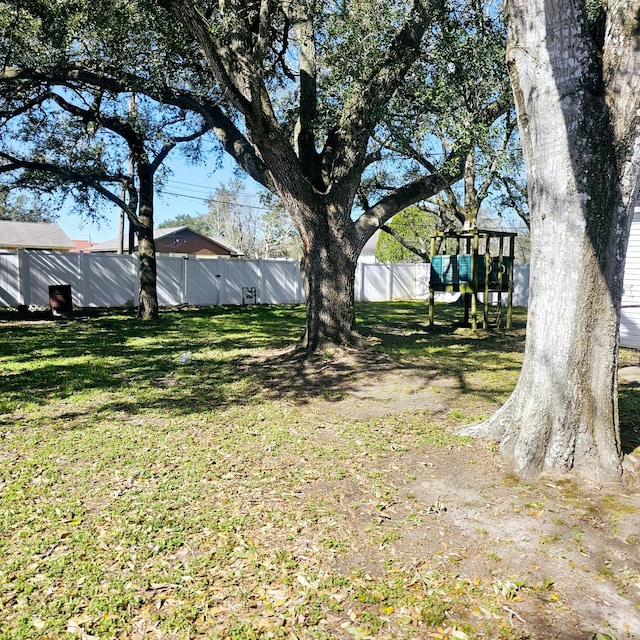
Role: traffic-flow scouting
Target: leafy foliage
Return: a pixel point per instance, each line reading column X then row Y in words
column 21, row 209
column 347, row 112
column 415, row 226
column 196, row 222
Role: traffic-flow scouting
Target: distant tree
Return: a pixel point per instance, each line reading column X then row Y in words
column 406, row 237
column 21, row 208
column 279, row 237
column 492, row 190
column 230, row 217
column 78, row 141
column 258, row 226
column 197, row 222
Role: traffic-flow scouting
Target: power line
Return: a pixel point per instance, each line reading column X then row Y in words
column 238, row 204
column 189, row 186
column 200, row 187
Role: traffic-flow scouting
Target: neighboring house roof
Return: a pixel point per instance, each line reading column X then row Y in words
column 169, row 240
column 33, row 235
column 168, row 232
column 81, row 245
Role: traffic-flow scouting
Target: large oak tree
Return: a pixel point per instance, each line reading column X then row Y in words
column 575, row 77
column 329, row 106
column 94, row 147
column 368, row 78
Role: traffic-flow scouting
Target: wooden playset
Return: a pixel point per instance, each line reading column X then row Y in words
column 474, row 263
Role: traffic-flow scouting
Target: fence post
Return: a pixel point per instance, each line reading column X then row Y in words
column 185, row 267
column 24, row 275
column 85, row 269
column 217, row 278
column 260, row 292
column 135, row 278
column 222, row 280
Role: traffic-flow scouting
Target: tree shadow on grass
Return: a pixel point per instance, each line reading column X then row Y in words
column 237, row 356
column 52, row 360
column 243, row 355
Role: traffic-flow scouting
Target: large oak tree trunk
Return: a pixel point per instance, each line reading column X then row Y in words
column 563, row 414
column 148, row 306
column 328, row 271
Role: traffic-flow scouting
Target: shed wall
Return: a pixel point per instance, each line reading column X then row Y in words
column 630, row 315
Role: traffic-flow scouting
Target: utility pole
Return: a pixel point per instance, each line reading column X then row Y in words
column 123, row 193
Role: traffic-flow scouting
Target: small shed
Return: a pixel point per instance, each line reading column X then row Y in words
column 630, row 312
column 43, row 236
column 176, row 241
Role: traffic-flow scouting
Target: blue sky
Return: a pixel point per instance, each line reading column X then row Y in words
column 186, row 192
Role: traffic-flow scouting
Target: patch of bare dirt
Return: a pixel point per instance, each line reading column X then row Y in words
column 569, row 549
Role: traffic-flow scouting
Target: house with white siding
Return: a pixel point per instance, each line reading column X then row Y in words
column 630, row 316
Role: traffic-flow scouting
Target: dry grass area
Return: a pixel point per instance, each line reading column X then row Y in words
column 253, row 493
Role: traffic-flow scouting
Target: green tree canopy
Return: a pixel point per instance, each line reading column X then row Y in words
column 348, row 112
column 409, row 228
column 195, row 222
column 21, row 208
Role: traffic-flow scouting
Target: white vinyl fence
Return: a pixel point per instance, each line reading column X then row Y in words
column 630, row 317
column 99, row 280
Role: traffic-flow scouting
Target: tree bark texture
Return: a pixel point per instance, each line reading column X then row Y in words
column 148, row 306
column 330, row 254
column 329, row 267
column 578, row 123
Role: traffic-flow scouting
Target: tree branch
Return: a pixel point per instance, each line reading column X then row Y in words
column 171, row 144
column 214, row 51
column 232, row 140
column 409, row 194
column 361, row 112
column 70, row 176
column 419, row 251
column 483, row 190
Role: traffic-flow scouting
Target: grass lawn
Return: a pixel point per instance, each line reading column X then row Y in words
column 196, row 478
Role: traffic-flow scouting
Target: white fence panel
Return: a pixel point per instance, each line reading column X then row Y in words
column 99, row 280
column 281, row 282
column 630, row 312
column 9, row 280
column 373, row 282
column 521, row 274
column 236, row 276
column 112, row 281
column 203, row 281
column 403, row 282
column 171, row 279
column 40, row 269
column 109, row 281
column 423, row 274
